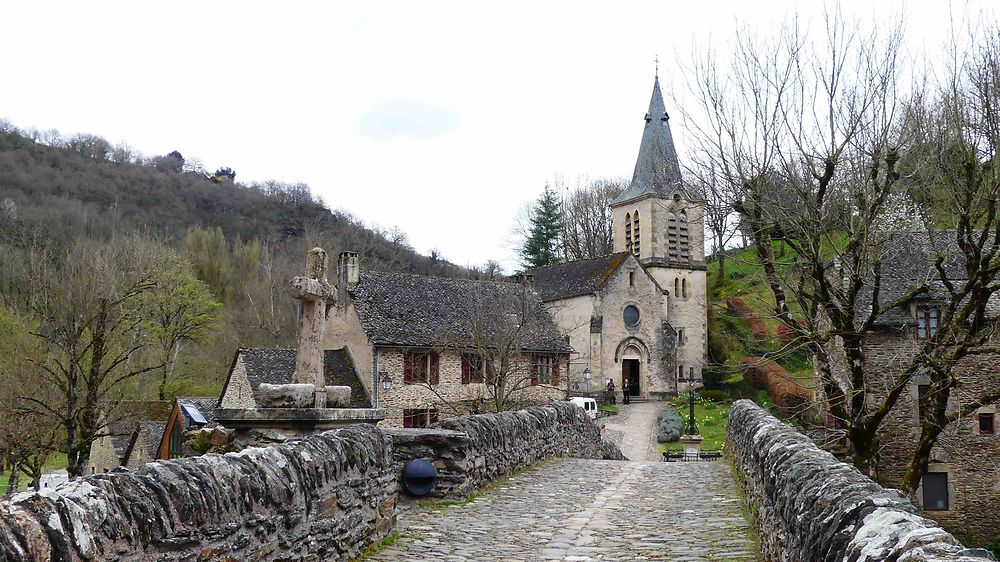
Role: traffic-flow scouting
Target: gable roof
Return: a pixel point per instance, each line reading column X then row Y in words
column 400, row 309
column 205, row 404
column 277, row 365
column 148, row 436
column 657, row 170
column 575, row 278
column 125, row 417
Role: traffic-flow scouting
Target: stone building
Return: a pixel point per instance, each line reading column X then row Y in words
column 189, row 412
column 962, row 487
column 110, row 451
column 445, row 346
column 640, row 313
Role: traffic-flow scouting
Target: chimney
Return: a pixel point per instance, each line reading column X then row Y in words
column 526, row 279
column 347, row 270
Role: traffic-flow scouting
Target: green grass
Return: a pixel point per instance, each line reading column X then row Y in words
column 383, row 544
column 710, row 418
column 55, row 462
column 609, row 408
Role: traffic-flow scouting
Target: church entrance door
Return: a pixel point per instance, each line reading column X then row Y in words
column 630, row 373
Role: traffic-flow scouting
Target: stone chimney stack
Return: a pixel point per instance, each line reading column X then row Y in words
column 348, row 270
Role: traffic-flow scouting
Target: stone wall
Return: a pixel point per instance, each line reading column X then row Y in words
column 471, row 451
column 322, row 498
column 810, row 506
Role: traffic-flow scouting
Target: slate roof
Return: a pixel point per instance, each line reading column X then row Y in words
column 277, row 365
column 400, row 309
column 148, row 436
column 127, row 414
column 205, row 404
column 575, row 278
column 907, row 262
column 657, row 170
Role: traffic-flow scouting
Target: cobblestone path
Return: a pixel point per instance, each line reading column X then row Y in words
column 634, row 430
column 576, row 509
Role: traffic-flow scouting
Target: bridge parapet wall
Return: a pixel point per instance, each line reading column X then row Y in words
column 809, row 506
column 325, row 497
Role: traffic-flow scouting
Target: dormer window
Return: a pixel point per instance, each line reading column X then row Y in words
column 928, row 318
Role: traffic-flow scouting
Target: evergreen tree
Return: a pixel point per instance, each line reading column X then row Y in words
column 541, row 248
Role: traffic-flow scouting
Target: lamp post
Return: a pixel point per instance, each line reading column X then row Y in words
column 586, row 378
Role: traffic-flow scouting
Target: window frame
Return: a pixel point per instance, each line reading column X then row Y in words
column 928, row 324
column 991, row 416
column 428, row 362
column 944, row 487
column 419, row 417
column 544, row 369
column 638, row 316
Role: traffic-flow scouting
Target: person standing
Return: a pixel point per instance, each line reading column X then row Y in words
column 625, row 391
column 611, row 392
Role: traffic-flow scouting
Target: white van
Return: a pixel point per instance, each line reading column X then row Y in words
column 589, row 405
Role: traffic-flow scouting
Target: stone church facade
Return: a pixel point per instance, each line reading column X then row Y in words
column 639, row 314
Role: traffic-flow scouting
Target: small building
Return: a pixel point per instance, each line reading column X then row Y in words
column 109, row 451
column 144, row 444
column 189, row 412
column 445, row 346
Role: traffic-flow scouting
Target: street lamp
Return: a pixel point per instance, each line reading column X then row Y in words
column 386, row 381
column 692, row 429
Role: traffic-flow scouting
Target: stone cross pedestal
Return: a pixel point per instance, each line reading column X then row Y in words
column 316, row 294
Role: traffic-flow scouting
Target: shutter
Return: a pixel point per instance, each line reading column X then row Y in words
column 466, row 368
column 434, row 376
column 407, row 368
column 555, row 370
column 534, row 369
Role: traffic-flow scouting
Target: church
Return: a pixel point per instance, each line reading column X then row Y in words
column 639, row 314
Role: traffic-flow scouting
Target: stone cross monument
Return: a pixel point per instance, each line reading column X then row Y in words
column 316, row 293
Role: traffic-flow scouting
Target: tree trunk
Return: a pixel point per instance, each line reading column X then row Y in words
column 722, row 269
column 14, row 478
column 864, row 451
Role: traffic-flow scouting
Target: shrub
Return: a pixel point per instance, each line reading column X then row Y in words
column 758, row 328
column 715, row 395
column 714, row 376
column 790, row 398
column 670, row 425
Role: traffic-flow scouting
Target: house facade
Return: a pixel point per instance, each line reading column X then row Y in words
column 445, row 347
column 639, row 314
column 962, row 487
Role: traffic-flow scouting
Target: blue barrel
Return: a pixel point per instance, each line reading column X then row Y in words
column 419, row 477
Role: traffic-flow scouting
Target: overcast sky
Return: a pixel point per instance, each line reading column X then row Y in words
column 441, row 118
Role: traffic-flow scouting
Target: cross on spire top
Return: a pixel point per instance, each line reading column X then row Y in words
column 656, row 61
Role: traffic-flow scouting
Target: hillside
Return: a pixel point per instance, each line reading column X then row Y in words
column 65, row 187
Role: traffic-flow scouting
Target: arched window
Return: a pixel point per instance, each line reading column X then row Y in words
column 682, row 242
column 677, row 291
column 672, row 235
column 684, row 288
column 628, row 232
column 635, row 234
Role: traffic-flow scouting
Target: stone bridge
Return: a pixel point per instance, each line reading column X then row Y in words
column 531, row 485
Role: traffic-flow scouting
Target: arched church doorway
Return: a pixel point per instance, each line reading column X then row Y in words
column 631, row 368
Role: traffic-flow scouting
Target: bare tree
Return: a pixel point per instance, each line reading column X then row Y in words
column 587, row 218
column 89, row 309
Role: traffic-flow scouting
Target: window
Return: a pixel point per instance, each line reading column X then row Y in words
column 545, row 369
column 421, row 367
column 628, row 232
column 476, row 369
column 419, row 417
column 176, row 441
column 986, row 426
column 684, row 288
column 672, row 235
column 935, row 486
column 923, row 390
column 677, row 287
column 631, row 315
column 635, row 234
column 682, row 235
column 680, row 336
column 631, row 279
column 927, row 321
column 680, row 372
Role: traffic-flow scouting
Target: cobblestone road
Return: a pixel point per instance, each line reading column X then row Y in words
column 581, row 510
column 634, row 430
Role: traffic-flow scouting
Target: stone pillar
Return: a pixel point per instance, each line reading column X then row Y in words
column 316, row 295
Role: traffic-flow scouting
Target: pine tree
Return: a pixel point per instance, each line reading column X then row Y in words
column 541, row 248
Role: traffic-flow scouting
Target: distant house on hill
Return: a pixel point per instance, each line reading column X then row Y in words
column 253, row 366
column 110, row 451
column 445, row 346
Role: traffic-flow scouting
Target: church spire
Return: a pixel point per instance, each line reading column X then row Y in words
column 657, row 171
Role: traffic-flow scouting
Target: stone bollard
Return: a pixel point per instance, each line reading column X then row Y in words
column 338, row 397
column 287, row 395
